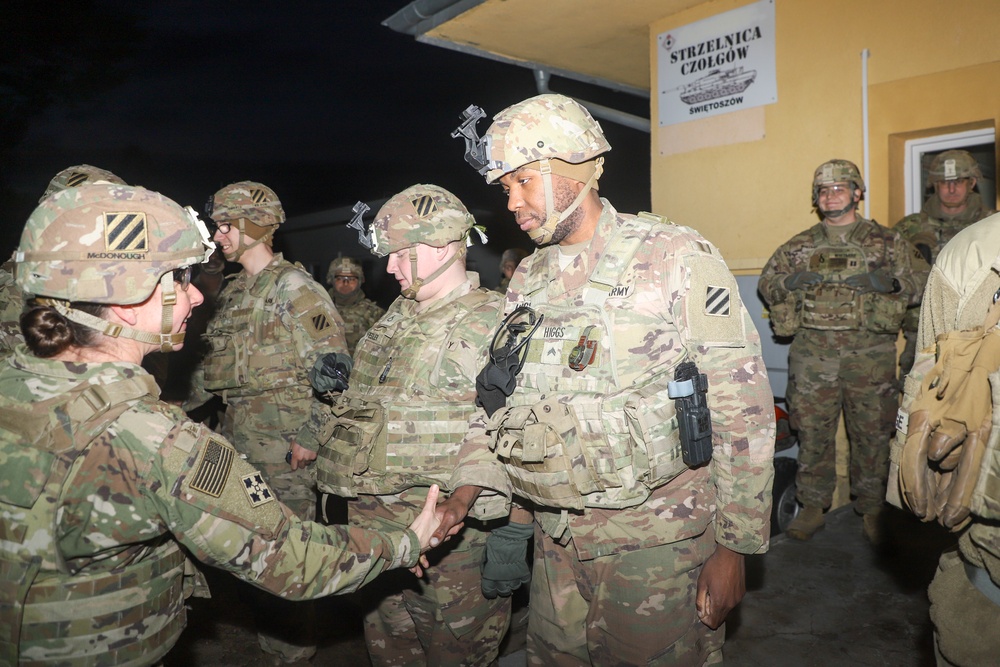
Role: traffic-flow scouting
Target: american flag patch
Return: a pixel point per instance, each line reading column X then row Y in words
column 424, row 205
column 257, row 490
column 125, row 231
column 213, row 471
column 717, row 301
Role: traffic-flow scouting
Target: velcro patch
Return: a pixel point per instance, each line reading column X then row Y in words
column 320, row 322
column 424, row 205
column 212, row 471
column 125, row 231
column 257, row 490
column 717, row 301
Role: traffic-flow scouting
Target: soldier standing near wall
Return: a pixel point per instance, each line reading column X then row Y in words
column 841, row 288
column 103, row 483
column 274, row 332
column 638, row 545
column 400, row 426
column 953, row 207
column 345, row 278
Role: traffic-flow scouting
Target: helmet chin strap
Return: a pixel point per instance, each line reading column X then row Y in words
column 243, row 247
column 543, row 234
column 165, row 339
column 416, row 283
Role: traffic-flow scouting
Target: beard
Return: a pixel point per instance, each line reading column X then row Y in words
column 563, row 196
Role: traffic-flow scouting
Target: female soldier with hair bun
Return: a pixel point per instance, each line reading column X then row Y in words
column 103, row 483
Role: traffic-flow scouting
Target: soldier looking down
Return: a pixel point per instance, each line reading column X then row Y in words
column 638, row 545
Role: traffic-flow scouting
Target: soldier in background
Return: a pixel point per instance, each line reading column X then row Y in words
column 509, row 260
column 953, row 207
column 841, row 288
column 414, row 380
column 11, row 298
column 345, row 278
column 965, row 592
column 104, row 483
column 639, row 547
column 275, row 331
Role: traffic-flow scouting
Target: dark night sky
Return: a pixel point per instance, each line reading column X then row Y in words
column 316, row 99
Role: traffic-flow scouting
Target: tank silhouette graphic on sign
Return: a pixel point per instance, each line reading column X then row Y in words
column 717, row 84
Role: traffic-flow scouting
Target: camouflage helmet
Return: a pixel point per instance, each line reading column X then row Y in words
column 247, row 200
column 953, row 165
column 542, row 127
column 108, row 244
column 74, row 177
column 345, row 266
column 426, row 214
column 837, row 171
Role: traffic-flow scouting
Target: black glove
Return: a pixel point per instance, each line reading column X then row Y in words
column 802, row 279
column 505, row 564
column 331, row 372
column 876, row 281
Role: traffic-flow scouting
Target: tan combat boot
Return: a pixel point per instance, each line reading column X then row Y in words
column 805, row 525
column 872, row 527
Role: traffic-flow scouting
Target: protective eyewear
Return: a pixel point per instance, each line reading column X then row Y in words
column 183, row 277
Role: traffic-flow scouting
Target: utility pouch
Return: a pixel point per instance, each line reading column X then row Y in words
column 883, row 313
column 357, row 442
column 786, row 317
column 226, row 363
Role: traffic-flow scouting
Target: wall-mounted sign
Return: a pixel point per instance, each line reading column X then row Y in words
column 717, row 65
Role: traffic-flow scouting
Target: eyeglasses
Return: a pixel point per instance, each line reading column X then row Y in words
column 346, row 279
column 514, row 333
column 183, row 277
column 222, row 228
column 833, row 190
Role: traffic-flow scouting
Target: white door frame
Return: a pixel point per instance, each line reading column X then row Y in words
column 915, row 148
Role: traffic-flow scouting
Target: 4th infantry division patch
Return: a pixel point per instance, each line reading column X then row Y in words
column 257, row 490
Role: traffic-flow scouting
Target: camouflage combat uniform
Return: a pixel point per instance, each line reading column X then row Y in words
column 358, row 312
column 932, row 228
column 268, row 331
column 959, row 292
column 623, row 526
column 123, row 479
column 11, row 307
column 844, row 353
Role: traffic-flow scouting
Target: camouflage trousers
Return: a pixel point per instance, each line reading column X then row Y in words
column 965, row 620
column 441, row 619
column 630, row 608
column 284, row 628
column 853, row 371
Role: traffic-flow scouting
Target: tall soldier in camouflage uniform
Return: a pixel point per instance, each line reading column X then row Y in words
column 11, row 298
column 841, row 288
column 965, row 592
column 274, row 331
column 638, row 555
column 953, row 207
column 345, row 278
column 400, row 426
column 103, row 483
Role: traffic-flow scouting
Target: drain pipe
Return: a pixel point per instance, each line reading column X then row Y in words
column 865, row 55
column 599, row 110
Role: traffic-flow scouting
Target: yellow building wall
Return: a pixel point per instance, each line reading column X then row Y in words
column 932, row 65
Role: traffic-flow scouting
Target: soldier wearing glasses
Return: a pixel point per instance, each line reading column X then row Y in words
column 274, row 336
column 841, row 288
column 345, row 278
column 640, row 528
column 400, row 426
